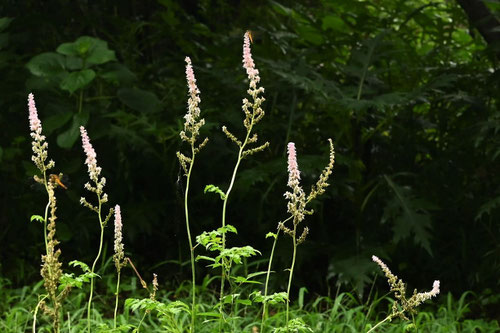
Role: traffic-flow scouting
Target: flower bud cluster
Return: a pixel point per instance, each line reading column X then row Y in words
column 38, row 145
column 297, row 200
column 402, row 304
column 94, row 173
column 192, row 122
column 119, row 256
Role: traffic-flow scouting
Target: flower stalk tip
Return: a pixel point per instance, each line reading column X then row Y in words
column 35, row 123
column 118, row 245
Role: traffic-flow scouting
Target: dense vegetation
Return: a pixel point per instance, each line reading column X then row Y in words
column 407, row 90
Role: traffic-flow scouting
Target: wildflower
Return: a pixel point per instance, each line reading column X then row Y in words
column 293, row 167
column 39, row 146
column 192, row 122
column 152, row 295
column 322, row 183
column 403, row 304
column 119, row 247
column 35, row 123
column 248, row 64
column 91, row 161
column 296, row 199
column 94, row 172
column 253, row 111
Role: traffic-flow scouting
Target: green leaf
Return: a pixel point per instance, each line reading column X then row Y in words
column 271, row 234
column 488, row 208
column 244, row 301
column 46, row 64
column 93, row 50
column 118, row 74
column 205, row 258
column 37, row 218
column 81, row 264
column 209, row 314
column 213, row 188
column 140, row 100
column 68, row 138
column 334, row 23
column 302, row 292
column 410, row 216
column 77, row 80
column 5, row 22
column 56, row 121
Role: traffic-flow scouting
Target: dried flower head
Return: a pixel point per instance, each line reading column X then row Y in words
column 119, row 256
column 152, row 295
column 38, row 145
column 322, row 182
column 397, row 286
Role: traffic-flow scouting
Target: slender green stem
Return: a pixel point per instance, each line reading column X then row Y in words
column 94, row 264
column 140, row 323
column 291, row 274
column 389, row 317
column 36, row 312
column 191, row 249
column 264, row 306
column 224, row 207
column 116, row 302
column 46, row 216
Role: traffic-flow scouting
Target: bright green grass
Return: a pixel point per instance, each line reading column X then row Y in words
column 342, row 314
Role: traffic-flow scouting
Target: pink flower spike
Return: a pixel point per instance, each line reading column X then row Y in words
column 87, row 147
column 248, row 63
column 193, row 89
column 118, row 220
column 435, row 288
column 35, row 123
column 293, row 167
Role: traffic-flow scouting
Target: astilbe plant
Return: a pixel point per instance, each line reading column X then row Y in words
column 297, row 208
column 99, row 182
column 403, row 304
column 51, row 267
column 253, row 114
column 190, row 134
column 119, row 256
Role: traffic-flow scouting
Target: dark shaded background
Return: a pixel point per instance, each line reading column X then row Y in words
column 408, row 90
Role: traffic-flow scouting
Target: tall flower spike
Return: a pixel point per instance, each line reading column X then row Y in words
column 35, row 123
column 119, row 247
column 293, row 167
column 38, row 145
column 403, row 304
column 192, row 122
column 296, row 199
column 91, row 160
column 248, row 64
